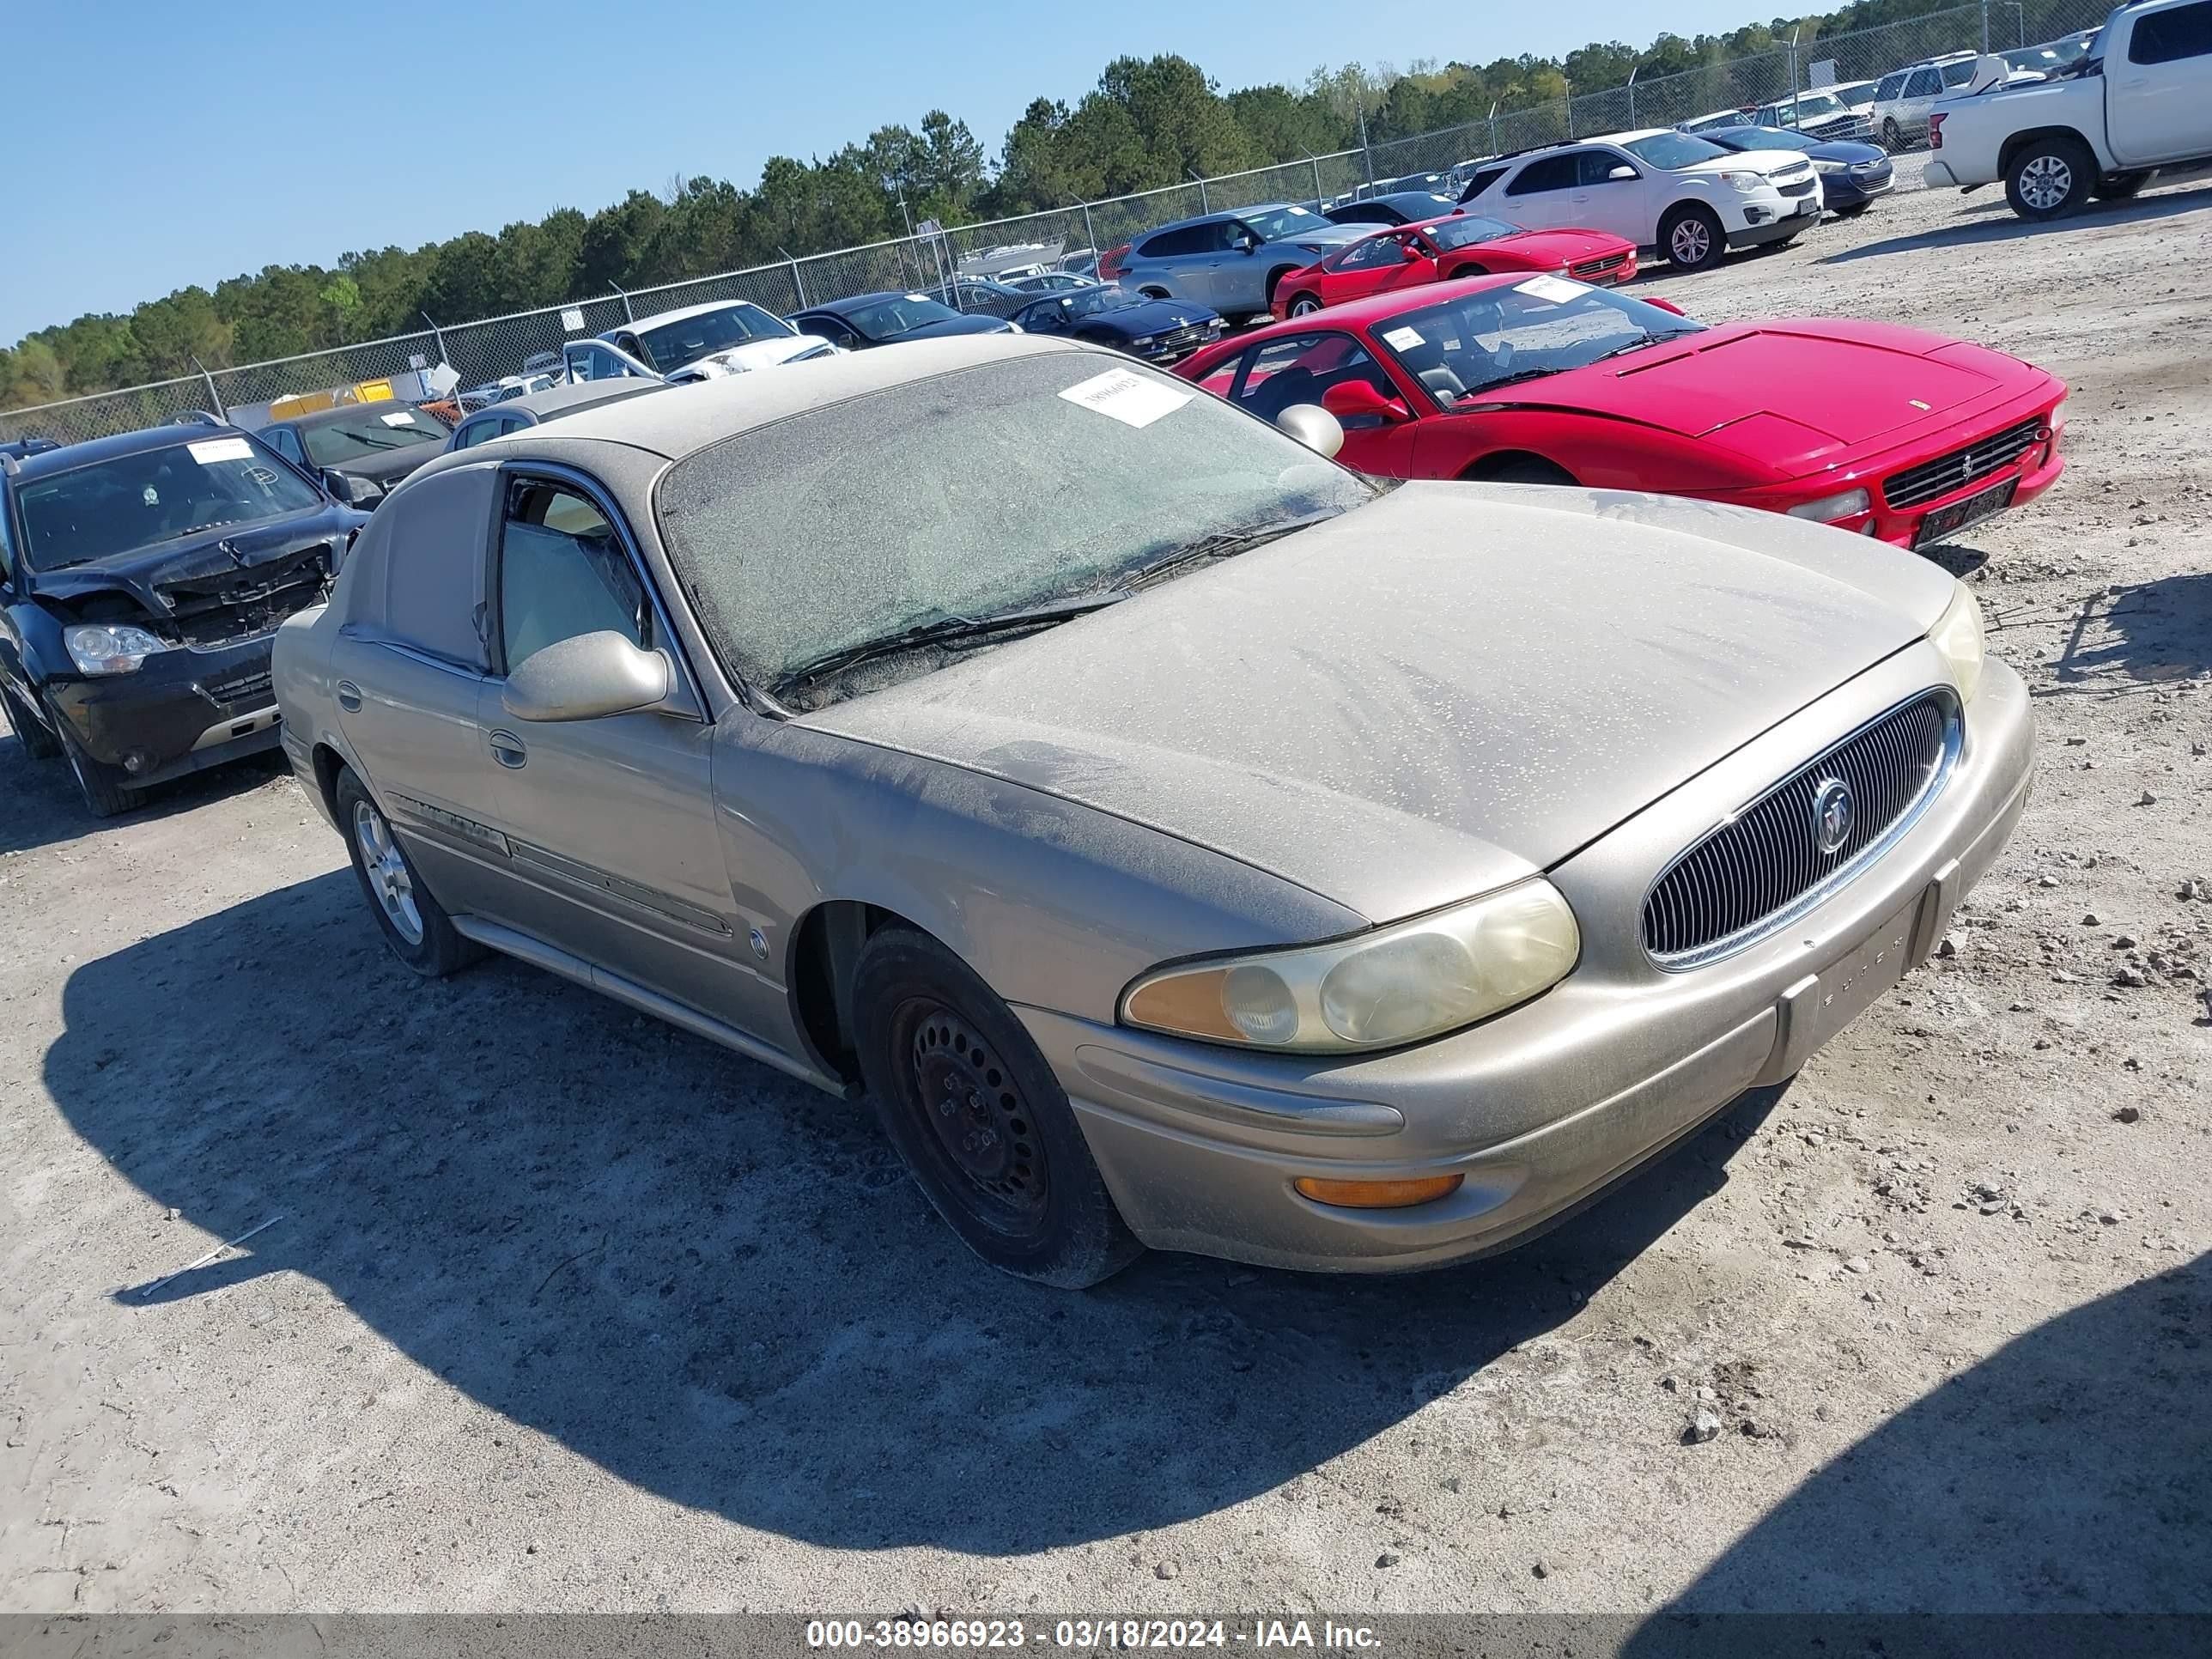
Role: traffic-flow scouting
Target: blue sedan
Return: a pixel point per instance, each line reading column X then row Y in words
column 1159, row 330
column 1851, row 174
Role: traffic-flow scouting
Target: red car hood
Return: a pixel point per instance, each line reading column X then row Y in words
column 1563, row 247
column 1792, row 395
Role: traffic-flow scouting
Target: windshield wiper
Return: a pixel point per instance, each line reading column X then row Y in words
column 945, row 631
column 1473, row 394
column 1221, row 544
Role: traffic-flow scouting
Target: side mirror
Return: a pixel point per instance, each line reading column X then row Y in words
column 354, row 492
column 1314, row 426
column 1622, row 172
column 1354, row 400
column 585, row 677
column 1409, row 253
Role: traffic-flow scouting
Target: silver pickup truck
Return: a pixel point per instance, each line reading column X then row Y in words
column 2140, row 100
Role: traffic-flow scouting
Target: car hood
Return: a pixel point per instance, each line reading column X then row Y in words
column 1790, row 395
column 968, row 324
column 753, row 355
column 1152, row 317
column 1439, row 692
column 1755, row 161
column 1323, row 233
column 1564, row 246
column 390, row 467
column 220, row 565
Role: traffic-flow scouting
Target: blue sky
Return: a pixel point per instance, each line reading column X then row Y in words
column 154, row 144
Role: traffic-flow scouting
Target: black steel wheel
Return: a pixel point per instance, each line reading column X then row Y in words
column 981, row 1122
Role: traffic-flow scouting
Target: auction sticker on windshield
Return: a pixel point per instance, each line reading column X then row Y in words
column 221, row 449
column 404, row 417
column 1402, row 339
column 1129, row 398
column 1558, row 292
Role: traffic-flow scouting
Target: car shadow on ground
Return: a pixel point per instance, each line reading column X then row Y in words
column 40, row 806
column 718, row 1284
column 2069, row 1472
column 2162, row 634
column 1983, row 232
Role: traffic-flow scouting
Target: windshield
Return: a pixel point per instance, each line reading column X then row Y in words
column 372, row 430
column 1545, row 325
column 1275, row 223
column 1013, row 484
column 1765, row 138
column 109, row 507
column 672, row 345
column 882, row 319
column 1469, row 229
column 1673, row 149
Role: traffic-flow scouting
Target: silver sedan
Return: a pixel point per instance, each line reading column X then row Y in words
column 1185, row 841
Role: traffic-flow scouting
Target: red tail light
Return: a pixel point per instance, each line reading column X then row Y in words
column 1111, row 267
column 1936, row 129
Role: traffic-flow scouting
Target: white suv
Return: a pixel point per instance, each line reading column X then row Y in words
column 1689, row 199
column 1904, row 96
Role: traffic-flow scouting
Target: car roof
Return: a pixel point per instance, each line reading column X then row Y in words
column 852, row 303
column 554, row 400
column 689, row 418
column 39, row 463
column 683, row 314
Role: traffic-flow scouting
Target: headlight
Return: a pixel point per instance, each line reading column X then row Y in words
column 2058, row 416
column 111, row 647
column 1750, row 184
column 1146, row 340
column 1829, row 508
column 1958, row 637
column 1395, row 985
column 1819, row 166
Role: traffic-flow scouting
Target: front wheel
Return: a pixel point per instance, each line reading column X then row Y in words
column 2049, row 178
column 982, row 1124
column 1304, row 305
column 1693, row 239
column 106, row 795
column 1892, row 139
column 38, row 742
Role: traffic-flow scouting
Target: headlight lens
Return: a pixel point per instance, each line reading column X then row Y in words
column 1748, row 183
column 1819, row 166
column 1146, row 340
column 1395, row 985
column 1829, row 508
column 111, row 647
column 1958, row 635
column 2058, row 417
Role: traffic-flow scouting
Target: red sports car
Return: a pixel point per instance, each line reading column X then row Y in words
column 1875, row 428
column 1438, row 250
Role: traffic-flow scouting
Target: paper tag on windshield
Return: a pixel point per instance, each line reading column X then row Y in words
column 1556, row 289
column 221, row 449
column 404, row 417
column 1129, row 398
column 1402, row 339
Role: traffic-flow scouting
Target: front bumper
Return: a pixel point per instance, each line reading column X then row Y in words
column 1777, row 220
column 183, row 710
column 1842, row 189
column 1544, row 1107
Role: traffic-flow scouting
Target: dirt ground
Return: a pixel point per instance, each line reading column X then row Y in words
column 569, row 1311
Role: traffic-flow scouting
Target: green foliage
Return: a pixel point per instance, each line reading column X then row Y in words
column 1149, row 123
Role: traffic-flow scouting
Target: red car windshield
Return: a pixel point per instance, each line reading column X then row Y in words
column 1469, row 229
column 1480, row 341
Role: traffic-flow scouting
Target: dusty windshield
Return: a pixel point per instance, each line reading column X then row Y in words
column 672, row 345
column 1496, row 336
column 881, row 319
column 96, row 512
column 1015, row 484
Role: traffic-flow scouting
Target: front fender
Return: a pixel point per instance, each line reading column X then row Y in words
column 44, row 655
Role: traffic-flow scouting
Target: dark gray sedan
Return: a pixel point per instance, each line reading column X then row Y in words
column 1185, row 841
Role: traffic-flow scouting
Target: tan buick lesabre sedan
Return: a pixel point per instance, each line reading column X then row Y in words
column 1186, row 841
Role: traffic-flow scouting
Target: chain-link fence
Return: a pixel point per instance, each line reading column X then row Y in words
column 467, row 356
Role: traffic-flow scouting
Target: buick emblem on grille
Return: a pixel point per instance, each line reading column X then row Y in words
column 1833, row 813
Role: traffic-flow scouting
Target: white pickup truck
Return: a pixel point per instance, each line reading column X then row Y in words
column 2140, row 100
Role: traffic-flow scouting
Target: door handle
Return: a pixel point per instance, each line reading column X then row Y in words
column 348, row 696
column 506, row 749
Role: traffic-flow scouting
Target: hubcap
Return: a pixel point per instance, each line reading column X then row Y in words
column 2045, row 183
column 387, row 871
column 1691, row 241
column 975, row 1112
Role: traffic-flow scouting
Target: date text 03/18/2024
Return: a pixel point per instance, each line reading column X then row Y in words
column 1082, row 1635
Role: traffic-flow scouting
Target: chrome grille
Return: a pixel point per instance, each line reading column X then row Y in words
column 1187, row 338
column 1804, row 188
column 1765, row 864
column 1604, row 264
column 1933, row 479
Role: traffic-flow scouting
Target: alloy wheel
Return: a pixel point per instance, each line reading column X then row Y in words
column 1690, row 242
column 2045, row 183
column 1303, row 306
column 388, row 876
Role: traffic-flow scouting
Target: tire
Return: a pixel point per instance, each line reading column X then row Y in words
column 1519, row 469
column 413, row 923
column 106, row 795
column 2049, row 178
column 2120, row 186
column 1302, row 304
column 1691, row 238
column 1892, row 139
column 37, row 740
column 1008, row 1169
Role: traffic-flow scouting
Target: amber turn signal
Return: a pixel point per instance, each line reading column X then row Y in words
column 1378, row 1194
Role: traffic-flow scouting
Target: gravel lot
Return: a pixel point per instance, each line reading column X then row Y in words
column 570, row 1310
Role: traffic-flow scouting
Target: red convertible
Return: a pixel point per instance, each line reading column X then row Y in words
column 1439, row 250
column 1882, row 430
